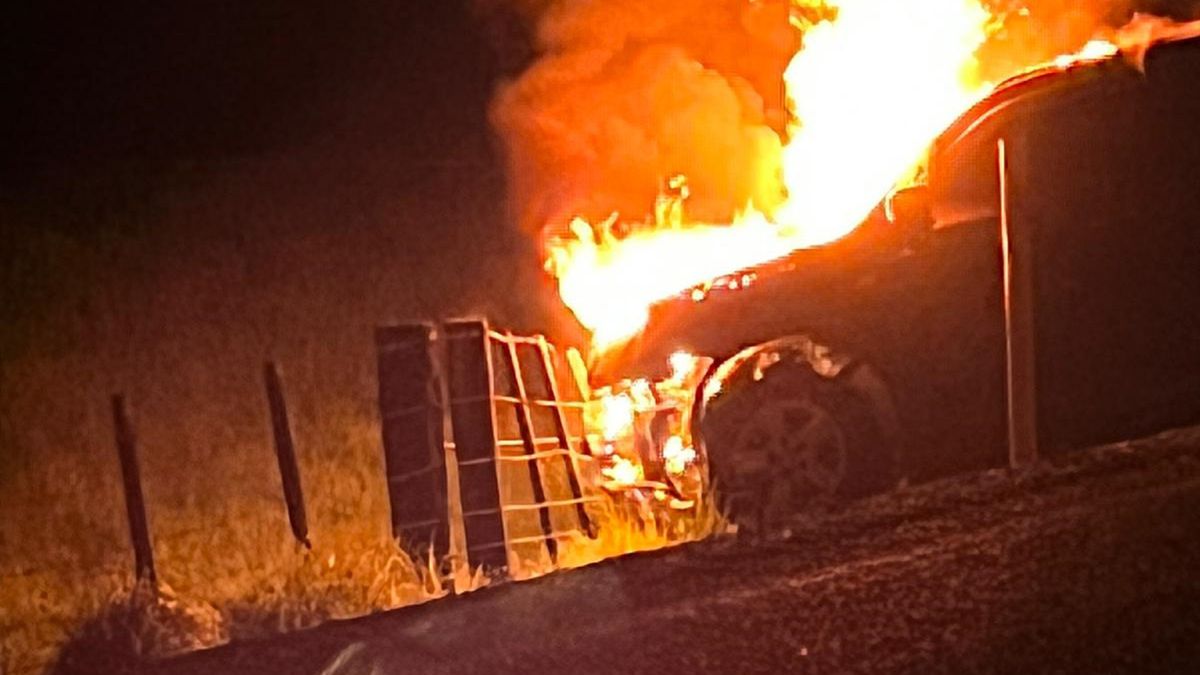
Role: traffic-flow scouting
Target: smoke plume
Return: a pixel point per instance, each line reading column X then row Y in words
column 611, row 97
column 624, row 93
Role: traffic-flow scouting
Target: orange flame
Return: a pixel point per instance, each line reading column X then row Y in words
column 638, row 423
column 1092, row 51
column 868, row 91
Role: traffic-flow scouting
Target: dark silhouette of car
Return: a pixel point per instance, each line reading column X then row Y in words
column 847, row 367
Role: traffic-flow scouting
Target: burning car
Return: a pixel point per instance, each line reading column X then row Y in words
column 845, row 367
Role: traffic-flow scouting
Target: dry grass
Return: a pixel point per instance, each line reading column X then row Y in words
column 227, row 573
column 238, row 575
column 228, row 566
column 172, row 285
column 622, row 529
column 173, row 288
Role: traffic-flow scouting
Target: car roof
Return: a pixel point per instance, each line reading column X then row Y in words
column 1050, row 80
column 1039, row 81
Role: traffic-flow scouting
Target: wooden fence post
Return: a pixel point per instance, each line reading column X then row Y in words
column 285, row 452
column 135, row 501
column 473, row 420
column 1021, row 368
column 411, row 413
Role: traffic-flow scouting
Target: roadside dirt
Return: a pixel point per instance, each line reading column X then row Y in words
column 1087, row 564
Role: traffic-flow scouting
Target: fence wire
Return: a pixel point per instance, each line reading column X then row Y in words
column 539, row 448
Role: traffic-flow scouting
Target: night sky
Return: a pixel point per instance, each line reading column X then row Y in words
column 87, row 83
column 260, row 162
column 90, row 83
column 196, row 79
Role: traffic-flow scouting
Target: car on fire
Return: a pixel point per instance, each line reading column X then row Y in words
column 846, row 368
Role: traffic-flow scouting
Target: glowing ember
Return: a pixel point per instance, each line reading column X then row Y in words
column 641, row 432
column 623, row 472
column 683, row 365
column 616, row 416
column 1092, row 51
column 676, row 457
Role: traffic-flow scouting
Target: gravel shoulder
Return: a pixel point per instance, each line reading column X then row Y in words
column 1090, row 563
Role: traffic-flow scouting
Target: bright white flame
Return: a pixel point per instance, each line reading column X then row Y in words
column 869, row 91
column 1092, row 51
column 676, row 457
column 622, row 471
column 610, row 285
column 616, row 416
column 682, row 364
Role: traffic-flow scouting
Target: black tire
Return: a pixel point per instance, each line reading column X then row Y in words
column 794, row 427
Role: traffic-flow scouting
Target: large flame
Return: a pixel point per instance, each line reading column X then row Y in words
column 868, row 90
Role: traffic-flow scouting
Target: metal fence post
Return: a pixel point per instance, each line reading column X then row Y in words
column 410, row 410
column 1021, row 368
column 473, row 421
column 135, row 501
column 285, row 452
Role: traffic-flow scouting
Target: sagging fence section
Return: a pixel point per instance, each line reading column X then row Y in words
column 504, row 429
column 485, row 453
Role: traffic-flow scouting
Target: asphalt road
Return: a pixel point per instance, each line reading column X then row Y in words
column 1090, row 565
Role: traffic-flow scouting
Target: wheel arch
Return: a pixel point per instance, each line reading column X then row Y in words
column 826, row 362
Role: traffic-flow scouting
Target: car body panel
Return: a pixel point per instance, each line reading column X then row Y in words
column 1106, row 170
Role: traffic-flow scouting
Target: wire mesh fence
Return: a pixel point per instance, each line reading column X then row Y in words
column 484, row 445
column 514, row 429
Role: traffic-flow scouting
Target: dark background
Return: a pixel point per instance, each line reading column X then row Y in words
column 89, row 82
column 188, row 188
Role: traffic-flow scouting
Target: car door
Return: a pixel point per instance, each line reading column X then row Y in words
column 1110, row 188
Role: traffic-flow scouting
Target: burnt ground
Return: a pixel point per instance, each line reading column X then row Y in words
column 1088, row 564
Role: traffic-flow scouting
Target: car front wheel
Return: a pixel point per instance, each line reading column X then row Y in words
column 790, row 425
